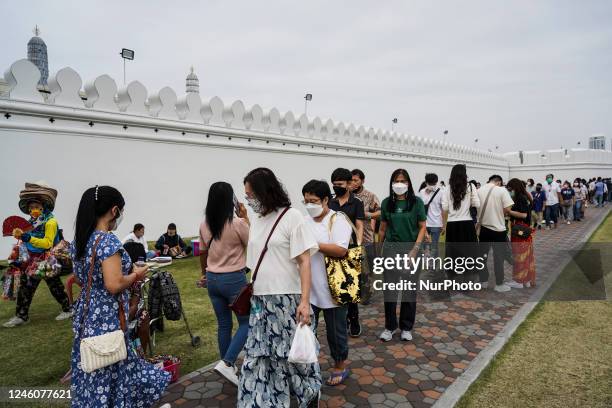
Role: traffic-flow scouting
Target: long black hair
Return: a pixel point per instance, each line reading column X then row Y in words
column 519, row 189
column 219, row 208
column 458, row 183
column 410, row 197
column 268, row 189
column 95, row 202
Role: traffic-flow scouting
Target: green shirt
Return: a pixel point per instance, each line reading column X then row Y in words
column 403, row 225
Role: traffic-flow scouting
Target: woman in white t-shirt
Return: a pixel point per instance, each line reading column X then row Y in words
column 281, row 298
column 457, row 199
column 333, row 234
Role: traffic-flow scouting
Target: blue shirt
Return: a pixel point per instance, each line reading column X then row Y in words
column 538, row 200
column 599, row 188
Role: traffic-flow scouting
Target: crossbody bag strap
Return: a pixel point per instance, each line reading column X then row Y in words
column 122, row 320
column 265, row 249
column 89, row 280
column 433, row 196
column 484, row 206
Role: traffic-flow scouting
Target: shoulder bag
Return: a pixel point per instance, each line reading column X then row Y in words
column 520, row 230
column 343, row 273
column 242, row 303
column 106, row 349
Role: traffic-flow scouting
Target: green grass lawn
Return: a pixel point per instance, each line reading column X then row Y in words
column 560, row 356
column 38, row 354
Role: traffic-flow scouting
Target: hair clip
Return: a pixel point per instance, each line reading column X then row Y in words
column 96, row 193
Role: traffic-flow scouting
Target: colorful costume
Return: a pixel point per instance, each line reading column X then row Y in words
column 38, row 244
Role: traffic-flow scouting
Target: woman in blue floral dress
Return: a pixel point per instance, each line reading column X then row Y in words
column 132, row 382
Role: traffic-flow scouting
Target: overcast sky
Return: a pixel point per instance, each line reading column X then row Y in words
column 518, row 74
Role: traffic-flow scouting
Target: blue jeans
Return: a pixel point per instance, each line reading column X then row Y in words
column 222, row 290
column 577, row 210
column 599, row 200
column 551, row 213
column 434, row 233
column 335, row 326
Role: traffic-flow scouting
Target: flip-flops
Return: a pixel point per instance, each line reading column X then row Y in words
column 342, row 375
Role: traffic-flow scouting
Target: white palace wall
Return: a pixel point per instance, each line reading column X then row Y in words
column 164, row 152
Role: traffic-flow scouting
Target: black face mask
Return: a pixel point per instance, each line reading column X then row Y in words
column 538, row 188
column 340, row 191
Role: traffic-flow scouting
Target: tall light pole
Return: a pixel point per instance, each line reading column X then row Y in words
column 445, row 133
column 393, row 123
column 307, row 99
column 126, row 55
column 475, row 142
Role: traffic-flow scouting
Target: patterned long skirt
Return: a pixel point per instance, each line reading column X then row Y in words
column 524, row 269
column 268, row 379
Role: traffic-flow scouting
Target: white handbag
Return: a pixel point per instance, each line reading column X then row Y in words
column 105, row 349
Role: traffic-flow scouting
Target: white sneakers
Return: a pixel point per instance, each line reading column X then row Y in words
column 18, row 321
column 485, row 285
column 502, row 288
column 568, row 222
column 14, row 322
column 386, row 335
column 64, row 316
column 166, row 405
column 227, row 372
column 406, row 335
column 515, row 284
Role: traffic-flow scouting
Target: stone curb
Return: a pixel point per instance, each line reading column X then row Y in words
column 461, row 384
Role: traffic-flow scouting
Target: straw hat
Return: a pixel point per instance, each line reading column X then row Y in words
column 40, row 192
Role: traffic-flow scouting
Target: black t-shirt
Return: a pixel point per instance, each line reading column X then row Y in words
column 567, row 193
column 522, row 205
column 353, row 208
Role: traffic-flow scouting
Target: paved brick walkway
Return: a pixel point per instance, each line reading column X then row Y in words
column 447, row 337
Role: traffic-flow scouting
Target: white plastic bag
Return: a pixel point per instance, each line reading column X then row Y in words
column 304, row 346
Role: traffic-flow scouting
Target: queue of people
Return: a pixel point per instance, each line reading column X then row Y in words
column 286, row 252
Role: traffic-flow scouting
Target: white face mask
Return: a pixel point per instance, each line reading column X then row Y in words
column 255, row 204
column 118, row 221
column 314, row 210
column 399, row 188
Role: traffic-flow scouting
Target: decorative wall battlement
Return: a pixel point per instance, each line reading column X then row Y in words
column 101, row 95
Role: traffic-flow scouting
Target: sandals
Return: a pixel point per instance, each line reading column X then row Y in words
column 337, row 377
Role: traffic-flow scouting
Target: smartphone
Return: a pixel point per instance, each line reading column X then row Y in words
column 236, row 206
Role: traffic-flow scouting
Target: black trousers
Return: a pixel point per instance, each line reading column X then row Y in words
column 27, row 288
column 498, row 241
column 407, row 315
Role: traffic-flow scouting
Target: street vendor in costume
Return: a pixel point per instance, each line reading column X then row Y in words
column 38, row 201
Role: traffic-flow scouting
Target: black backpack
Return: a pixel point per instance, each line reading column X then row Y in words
column 171, row 298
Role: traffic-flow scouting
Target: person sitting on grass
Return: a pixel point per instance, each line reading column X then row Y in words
column 137, row 235
column 171, row 244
